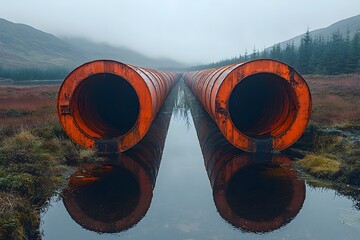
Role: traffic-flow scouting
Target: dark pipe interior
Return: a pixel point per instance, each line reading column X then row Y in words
column 261, row 104
column 260, row 192
column 112, row 197
column 107, row 104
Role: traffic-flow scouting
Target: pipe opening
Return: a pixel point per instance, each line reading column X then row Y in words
column 106, row 104
column 260, row 192
column 263, row 105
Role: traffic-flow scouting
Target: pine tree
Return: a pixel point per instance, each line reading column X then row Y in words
column 264, row 54
column 255, row 54
column 289, row 54
column 355, row 52
column 305, row 53
column 334, row 54
column 275, row 52
column 318, row 56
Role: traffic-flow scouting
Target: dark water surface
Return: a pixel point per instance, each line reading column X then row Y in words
column 195, row 185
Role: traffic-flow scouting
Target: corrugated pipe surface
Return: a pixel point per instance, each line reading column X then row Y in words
column 259, row 106
column 110, row 105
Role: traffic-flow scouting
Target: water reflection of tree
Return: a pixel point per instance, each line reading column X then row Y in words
column 351, row 193
column 342, row 190
column 182, row 103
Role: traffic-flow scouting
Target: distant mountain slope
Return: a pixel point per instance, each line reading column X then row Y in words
column 25, row 46
column 22, row 46
column 93, row 50
column 351, row 24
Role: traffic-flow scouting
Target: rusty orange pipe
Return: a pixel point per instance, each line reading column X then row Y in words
column 259, row 106
column 257, row 192
column 110, row 105
column 116, row 196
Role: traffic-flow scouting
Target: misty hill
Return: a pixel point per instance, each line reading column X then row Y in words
column 22, row 46
column 93, row 50
column 351, row 25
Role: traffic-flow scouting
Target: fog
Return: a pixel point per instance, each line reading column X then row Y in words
column 190, row 31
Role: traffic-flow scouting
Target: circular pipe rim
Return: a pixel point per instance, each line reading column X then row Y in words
column 126, row 72
column 236, row 75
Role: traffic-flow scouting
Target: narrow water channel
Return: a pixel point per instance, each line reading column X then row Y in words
column 194, row 185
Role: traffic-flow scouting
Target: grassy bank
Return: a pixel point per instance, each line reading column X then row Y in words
column 35, row 155
column 330, row 147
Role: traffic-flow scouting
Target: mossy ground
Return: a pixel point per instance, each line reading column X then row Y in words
column 34, row 155
column 320, row 165
column 330, row 147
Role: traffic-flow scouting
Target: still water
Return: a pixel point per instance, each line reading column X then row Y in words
column 185, row 181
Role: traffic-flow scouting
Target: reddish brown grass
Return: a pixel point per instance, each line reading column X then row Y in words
column 336, row 100
column 27, row 106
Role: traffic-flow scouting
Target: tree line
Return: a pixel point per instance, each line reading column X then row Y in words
column 22, row 74
column 316, row 55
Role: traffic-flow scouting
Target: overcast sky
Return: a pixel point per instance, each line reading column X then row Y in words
column 192, row 31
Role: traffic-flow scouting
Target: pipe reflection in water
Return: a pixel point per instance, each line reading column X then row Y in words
column 257, row 195
column 254, row 192
column 115, row 196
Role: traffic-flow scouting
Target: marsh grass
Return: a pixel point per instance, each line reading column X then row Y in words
column 18, row 218
column 330, row 153
column 320, row 165
column 331, row 146
column 336, row 100
column 27, row 107
column 32, row 163
column 35, row 153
